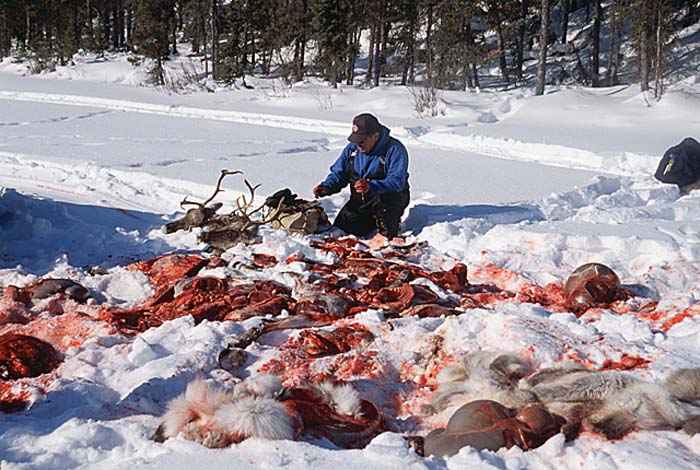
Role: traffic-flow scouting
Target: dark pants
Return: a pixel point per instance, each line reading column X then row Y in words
column 380, row 212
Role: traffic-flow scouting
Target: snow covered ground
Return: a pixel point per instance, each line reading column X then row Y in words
column 522, row 189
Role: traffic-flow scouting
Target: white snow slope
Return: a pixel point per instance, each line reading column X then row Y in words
column 522, row 189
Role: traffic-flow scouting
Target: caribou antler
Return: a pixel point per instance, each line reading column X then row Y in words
column 224, row 231
column 217, row 190
column 244, row 204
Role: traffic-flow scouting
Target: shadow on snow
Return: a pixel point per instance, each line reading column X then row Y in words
column 36, row 232
column 424, row 215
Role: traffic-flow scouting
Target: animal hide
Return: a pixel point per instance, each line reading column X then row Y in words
column 344, row 399
column 252, row 416
column 612, row 403
column 260, row 407
column 685, row 384
column 192, row 413
column 483, row 375
column 269, row 386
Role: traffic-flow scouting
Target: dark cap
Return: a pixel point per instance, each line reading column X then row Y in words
column 364, row 125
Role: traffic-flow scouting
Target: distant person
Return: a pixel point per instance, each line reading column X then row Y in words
column 376, row 167
column 680, row 165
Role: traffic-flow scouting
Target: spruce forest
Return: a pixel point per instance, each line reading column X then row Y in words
column 456, row 44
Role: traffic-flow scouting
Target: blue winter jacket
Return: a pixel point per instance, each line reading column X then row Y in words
column 366, row 165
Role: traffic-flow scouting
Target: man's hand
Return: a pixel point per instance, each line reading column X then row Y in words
column 321, row 190
column 362, row 186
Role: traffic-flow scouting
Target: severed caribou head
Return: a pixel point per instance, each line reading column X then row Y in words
column 223, row 231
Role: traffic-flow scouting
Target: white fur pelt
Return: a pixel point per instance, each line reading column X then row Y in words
column 610, row 402
column 483, row 375
column 344, row 399
column 265, row 385
column 255, row 416
column 215, row 418
column 196, row 406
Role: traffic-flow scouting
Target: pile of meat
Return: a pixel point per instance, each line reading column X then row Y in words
column 42, row 321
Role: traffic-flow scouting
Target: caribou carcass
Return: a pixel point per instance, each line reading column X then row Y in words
column 608, row 402
column 223, row 231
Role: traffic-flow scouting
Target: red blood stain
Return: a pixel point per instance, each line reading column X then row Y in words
column 262, row 260
column 626, row 362
column 295, row 257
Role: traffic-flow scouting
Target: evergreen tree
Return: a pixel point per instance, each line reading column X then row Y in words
column 152, row 35
column 332, row 22
column 453, row 44
column 406, row 37
column 232, row 56
column 7, row 9
column 446, row 40
column 194, row 21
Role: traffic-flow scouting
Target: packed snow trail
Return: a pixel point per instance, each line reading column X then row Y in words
column 284, row 122
column 626, row 164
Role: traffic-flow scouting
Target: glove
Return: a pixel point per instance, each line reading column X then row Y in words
column 362, row 186
column 320, row 191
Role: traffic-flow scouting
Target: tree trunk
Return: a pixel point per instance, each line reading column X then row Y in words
column 614, row 45
column 412, row 51
column 524, row 5
column 466, row 76
column 296, row 59
column 5, row 43
column 121, row 37
column 595, row 58
column 659, row 62
column 214, row 40
column 429, row 45
column 542, row 60
column 409, row 44
column 204, row 45
column 28, row 26
column 300, row 49
column 618, row 42
column 381, row 58
column 88, row 15
column 115, row 26
column 378, row 49
column 566, row 5
column 250, row 34
column 644, row 47
column 500, row 42
column 370, row 54
column 106, row 29
column 60, row 37
column 300, row 72
column 129, row 26
column 352, row 56
column 467, row 83
column 377, row 55
column 159, row 71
